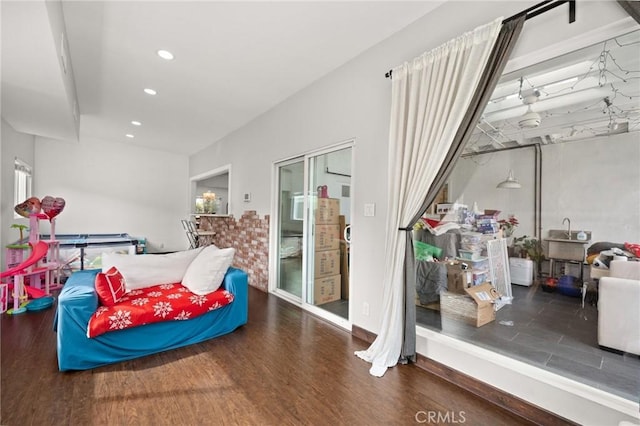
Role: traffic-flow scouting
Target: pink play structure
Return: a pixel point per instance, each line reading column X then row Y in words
column 43, row 262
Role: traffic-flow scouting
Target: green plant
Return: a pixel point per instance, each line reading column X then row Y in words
column 531, row 247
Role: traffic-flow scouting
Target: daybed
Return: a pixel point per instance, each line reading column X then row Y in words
column 78, row 301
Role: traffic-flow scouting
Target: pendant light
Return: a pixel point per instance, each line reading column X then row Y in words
column 510, row 182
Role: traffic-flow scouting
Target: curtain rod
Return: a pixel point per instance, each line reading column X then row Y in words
column 532, row 12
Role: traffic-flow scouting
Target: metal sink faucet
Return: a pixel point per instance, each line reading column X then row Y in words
column 566, row 219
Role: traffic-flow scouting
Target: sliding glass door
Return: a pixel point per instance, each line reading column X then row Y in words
column 314, row 209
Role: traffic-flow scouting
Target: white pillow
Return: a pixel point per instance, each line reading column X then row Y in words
column 145, row 270
column 206, row 272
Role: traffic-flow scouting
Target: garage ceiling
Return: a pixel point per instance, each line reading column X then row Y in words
column 591, row 92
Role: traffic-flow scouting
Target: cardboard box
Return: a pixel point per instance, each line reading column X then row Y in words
column 326, row 289
column 344, row 270
column 327, row 211
column 327, row 263
column 343, row 224
column 458, row 279
column 475, row 308
column 327, row 237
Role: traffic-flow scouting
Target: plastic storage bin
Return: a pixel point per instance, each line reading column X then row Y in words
column 469, row 254
column 481, row 263
column 521, row 271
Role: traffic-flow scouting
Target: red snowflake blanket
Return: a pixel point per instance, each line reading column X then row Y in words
column 166, row 302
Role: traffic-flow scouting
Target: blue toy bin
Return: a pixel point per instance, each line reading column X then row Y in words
column 567, row 286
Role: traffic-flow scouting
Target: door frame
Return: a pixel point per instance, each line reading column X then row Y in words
column 274, row 232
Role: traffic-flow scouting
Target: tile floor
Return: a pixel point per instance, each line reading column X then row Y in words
column 551, row 331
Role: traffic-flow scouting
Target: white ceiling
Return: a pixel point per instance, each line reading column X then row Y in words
column 233, row 62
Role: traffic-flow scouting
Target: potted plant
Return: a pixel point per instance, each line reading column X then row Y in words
column 508, row 226
column 531, row 248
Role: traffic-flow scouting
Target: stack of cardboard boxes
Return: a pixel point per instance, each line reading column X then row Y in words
column 327, row 251
column 465, row 300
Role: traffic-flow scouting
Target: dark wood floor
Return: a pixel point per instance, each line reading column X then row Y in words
column 285, row 367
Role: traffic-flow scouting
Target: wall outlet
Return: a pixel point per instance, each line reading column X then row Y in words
column 365, row 309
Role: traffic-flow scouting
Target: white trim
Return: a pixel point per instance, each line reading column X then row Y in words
column 597, row 399
column 211, row 173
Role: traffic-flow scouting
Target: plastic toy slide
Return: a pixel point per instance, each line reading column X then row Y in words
column 38, row 251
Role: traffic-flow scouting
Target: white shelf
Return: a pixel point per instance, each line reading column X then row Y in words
column 210, row 215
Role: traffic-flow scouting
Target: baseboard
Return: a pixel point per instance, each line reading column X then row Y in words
column 493, row 395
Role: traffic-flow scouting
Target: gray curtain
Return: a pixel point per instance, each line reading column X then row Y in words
column 632, row 8
column 502, row 49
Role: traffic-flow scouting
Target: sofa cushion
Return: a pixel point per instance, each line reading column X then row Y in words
column 206, row 272
column 145, row 270
column 110, row 286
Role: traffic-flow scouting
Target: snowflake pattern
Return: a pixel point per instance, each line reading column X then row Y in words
column 140, row 301
column 183, row 316
column 120, row 320
column 101, row 310
column 165, row 302
column 198, row 300
column 162, row 309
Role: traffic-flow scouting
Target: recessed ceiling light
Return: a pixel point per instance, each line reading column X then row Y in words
column 136, row 123
column 165, row 54
column 130, row 136
column 150, row 91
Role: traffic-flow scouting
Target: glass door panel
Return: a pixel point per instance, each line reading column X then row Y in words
column 329, row 200
column 290, row 226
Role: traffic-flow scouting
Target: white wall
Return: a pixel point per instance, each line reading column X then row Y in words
column 13, row 144
column 353, row 102
column 474, row 179
column 595, row 183
column 111, row 187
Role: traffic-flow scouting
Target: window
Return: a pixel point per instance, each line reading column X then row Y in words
column 22, row 183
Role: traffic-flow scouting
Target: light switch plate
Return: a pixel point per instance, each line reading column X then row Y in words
column 369, row 210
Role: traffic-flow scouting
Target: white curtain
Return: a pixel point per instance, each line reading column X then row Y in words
column 430, row 97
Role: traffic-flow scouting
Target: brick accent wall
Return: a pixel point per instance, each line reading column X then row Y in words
column 250, row 237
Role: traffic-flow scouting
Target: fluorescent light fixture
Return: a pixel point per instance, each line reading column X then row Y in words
column 130, row 136
column 150, row 91
column 165, row 54
column 511, row 96
column 509, row 183
column 136, row 123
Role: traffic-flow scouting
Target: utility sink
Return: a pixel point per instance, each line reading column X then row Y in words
column 567, row 247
